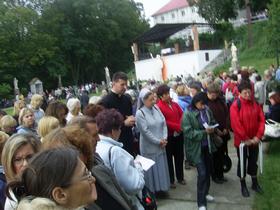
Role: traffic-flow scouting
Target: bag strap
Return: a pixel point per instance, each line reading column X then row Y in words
column 110, row 154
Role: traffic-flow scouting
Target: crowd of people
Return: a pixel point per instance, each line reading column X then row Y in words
column 81, row 155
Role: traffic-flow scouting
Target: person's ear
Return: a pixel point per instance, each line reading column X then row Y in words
column 60, row 196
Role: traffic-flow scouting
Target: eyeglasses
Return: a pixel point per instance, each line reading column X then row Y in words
column 87, row 176
column 20, row 160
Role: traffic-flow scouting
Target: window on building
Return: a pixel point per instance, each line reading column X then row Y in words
column 162, row 18
column 183, row 13
column 173, row 15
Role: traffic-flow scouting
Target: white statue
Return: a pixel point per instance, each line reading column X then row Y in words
column 15, row 83
column 234, row 52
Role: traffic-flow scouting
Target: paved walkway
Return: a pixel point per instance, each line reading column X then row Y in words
column 227, row 195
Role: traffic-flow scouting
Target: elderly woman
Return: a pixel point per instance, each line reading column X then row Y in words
column 72, row 187
column 129, row 174
column 26, row 122
column 217, row 105
column 8, row 124
column 35, row 104
column 172, row 113
column 74, row 107
column 17, row 151
column 153, row 139
column 274, row 109
column 247, row 122
column 58, row 110
column 199, row 144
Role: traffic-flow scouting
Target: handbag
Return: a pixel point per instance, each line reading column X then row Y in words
column 148, row 200
column 272, row 128
column 218, row 141
column 227, row 163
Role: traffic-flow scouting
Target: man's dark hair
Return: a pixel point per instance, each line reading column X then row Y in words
column 108, row 120
column 119, row 75
column 244, row 85
column 162, row 89
column 196, row 85
column 258, row 77
column 234, row 77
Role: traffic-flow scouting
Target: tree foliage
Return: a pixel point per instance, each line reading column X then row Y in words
column 75, row 39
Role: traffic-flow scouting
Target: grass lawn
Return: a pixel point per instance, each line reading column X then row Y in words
column 270, row 180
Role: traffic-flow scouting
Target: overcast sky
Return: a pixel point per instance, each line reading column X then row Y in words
column 151, row 6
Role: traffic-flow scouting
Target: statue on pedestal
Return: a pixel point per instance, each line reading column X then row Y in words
column 234, row 61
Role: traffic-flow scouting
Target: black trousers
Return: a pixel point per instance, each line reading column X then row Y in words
column 218, row 160
column 203, row 178
column 251, row 154
column 175, row 148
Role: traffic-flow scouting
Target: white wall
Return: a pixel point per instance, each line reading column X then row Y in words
column 178, row 64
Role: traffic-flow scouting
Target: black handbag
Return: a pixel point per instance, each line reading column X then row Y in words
column 148, row 200
column 227, row 163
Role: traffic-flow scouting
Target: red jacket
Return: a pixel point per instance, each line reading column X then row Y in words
column 248, row 122
column 173, row 116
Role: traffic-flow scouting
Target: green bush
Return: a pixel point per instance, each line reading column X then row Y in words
column 5, row 91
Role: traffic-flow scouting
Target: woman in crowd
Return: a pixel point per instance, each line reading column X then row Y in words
column 174, row 148
column 247, row 122
column 55, row 179
column 18, row 105
column 153, row 140
column 129, row 174
column 8, row 124
column 35, row 104
column 92, row 110
column 46, row 125
column 184, row 98
column 110, row 193
column 3, row 138
column 220, row 112
column 200, row 146
column 17, row 151
column 26, row 122
column 274, row 109
column 58, row 110
column 74, row 107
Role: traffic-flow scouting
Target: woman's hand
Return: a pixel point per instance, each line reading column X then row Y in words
column 163, row 143
column 209, row 130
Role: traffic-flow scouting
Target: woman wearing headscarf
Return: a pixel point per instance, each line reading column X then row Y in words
column 74, row 107
column 153, row 139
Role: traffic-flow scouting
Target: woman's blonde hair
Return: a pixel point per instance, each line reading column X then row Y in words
column 22, row 113
column 11, row 147
column 36, row 101
column 3, row 138
column 182, row 90
column 7, row 121
column 46, row 125
column 18, row 105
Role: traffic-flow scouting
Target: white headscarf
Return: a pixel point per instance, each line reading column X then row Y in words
column 142, row 94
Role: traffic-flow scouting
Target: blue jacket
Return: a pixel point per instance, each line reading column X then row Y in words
column 184, row 102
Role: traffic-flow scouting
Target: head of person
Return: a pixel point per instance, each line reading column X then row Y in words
column 199, row 101
column 195, row 87
column 58, row 110
column 267, row 75
column 234, row 78
column 109, row 123
column 173, row 85
column 36, row 101
column 26, row 118
column 163, row 93
column 147, row 98
column 8, row 124
column 119, row 85
column 17, row 151
column 59, row 176
column 258, row 78
column 182, row 90
column 213, row 91
column 245, row 75
column 94, row 100
column 3, row 138
column 46, row 125
column 92, row 110
column 244, row 89
column 274, row 98
column 74, row 106
column 18, row 105
column 90, row 125
column 73, row 136
column 2, row 113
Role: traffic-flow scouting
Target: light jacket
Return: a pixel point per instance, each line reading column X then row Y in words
column 247, row 122
column 194, row 134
